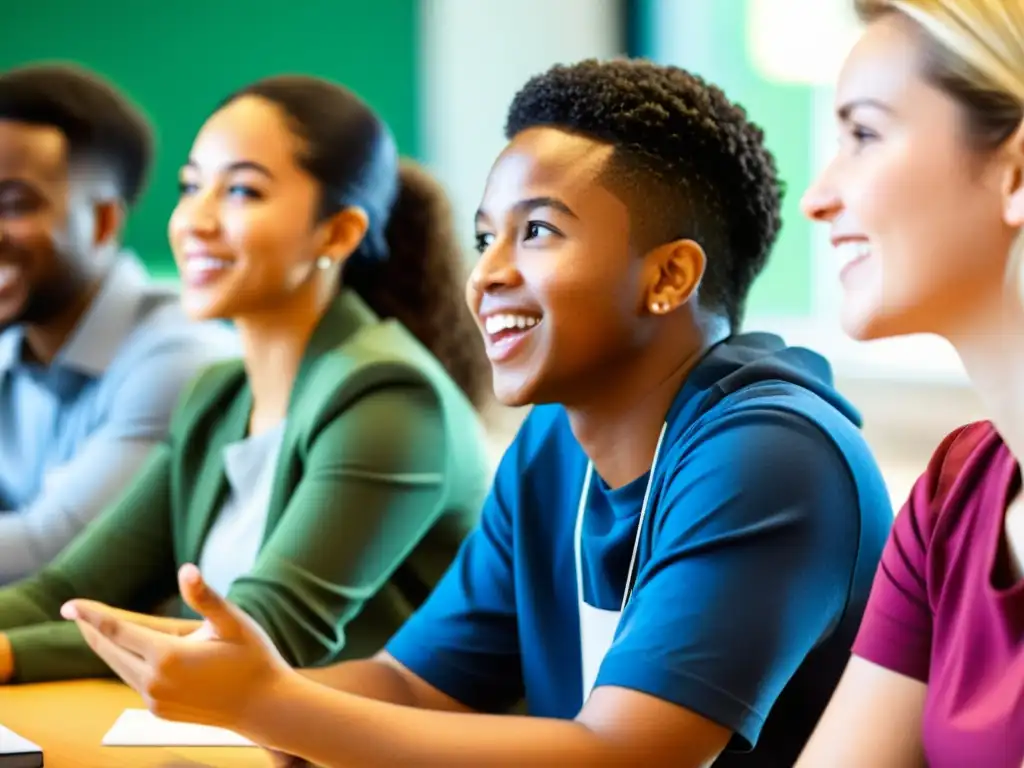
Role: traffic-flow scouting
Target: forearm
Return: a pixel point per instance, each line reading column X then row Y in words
column 34, row 535
column 25, row 549
column 332, row 728
column 52, row 651
column 34, row 601
column 26, row 608
column 369, row 678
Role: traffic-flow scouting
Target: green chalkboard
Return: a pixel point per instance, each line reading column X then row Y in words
column 785, row 112
column 177, row 59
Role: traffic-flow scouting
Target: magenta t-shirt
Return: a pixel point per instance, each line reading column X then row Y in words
column 944, row 610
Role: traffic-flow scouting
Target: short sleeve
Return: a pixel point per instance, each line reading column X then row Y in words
column 756, row 542
column 464, row 640
column 896, row 631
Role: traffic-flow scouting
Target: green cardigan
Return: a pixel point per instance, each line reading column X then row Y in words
column 381, row 473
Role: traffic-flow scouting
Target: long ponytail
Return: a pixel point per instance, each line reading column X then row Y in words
column 421, row 283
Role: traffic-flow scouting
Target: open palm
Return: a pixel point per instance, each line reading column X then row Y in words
column 209, row 676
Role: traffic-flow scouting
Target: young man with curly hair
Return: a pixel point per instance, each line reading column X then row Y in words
column 679, row 543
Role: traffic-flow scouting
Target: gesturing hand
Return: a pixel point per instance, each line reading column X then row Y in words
column 169, row 626
column 210, row 676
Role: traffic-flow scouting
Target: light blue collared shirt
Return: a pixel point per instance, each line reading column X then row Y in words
column 74, row 433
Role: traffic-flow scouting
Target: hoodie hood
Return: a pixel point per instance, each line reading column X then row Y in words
column 751, row 359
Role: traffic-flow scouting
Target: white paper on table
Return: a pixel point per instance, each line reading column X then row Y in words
column 140, row 728
column 13, row 744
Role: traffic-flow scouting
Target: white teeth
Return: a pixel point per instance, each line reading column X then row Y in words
column 206, row 264
column 498, row 323
column 853, row 250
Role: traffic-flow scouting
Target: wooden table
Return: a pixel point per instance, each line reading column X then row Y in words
column 69, row 720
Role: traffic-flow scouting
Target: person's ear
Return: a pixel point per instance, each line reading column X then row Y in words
column 342, row 233
column 1013, row 180
column 108, row 223
column 676, row 269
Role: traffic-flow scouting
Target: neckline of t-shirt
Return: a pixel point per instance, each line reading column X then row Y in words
column 626, row 500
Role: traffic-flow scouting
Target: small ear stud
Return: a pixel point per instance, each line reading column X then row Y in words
column 324, row 262
column 659, row 307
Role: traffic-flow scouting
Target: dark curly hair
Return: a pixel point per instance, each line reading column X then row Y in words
column 98, row 122
column 409, row 266
column 687, row 162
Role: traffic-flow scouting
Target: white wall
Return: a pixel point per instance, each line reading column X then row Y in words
column 911, row 391
column 476, row 54
column 784, row 53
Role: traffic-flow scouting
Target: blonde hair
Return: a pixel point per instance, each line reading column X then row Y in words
column 975, row 53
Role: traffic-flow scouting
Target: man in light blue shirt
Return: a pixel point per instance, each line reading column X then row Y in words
column 92, row 355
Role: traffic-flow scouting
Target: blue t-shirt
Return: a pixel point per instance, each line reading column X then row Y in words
column 766, row 522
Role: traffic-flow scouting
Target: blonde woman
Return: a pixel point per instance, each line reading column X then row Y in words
column 926, row 195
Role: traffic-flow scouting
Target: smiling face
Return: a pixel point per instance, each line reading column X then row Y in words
column 558, row 291
column 915, row 213
column 245, row 233
column 48, row 224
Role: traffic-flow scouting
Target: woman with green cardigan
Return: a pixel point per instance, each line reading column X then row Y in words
column 326, row 480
